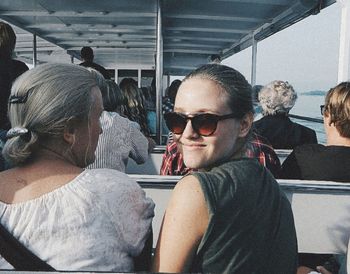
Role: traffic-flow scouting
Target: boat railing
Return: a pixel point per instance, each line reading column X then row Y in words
column 150, row 181
column 320, row 209
column 305, row 118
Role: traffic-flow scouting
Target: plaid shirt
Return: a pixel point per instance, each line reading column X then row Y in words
column 261, row 149
column 258, row 148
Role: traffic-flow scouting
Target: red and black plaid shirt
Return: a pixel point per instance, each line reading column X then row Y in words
column 259, row 148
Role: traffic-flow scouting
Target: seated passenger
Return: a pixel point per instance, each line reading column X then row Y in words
column 257, row 147
column 151, row 112
column 120, row 138
column 169, row 99
column 10, row 69
column 231, row 216
column 277, row 99
column 328, row 162
column 72, row 218
column 331, row 161
column 134, row 105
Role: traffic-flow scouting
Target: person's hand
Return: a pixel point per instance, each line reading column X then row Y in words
column 322, row 270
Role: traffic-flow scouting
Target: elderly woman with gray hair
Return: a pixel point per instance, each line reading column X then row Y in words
column 69, row 217
column 277, row 99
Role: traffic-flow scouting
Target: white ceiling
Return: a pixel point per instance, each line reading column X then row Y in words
column 123, row 32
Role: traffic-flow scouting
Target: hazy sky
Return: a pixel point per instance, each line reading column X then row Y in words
column 305, row 54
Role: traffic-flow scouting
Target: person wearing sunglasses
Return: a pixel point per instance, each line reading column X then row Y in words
column 329, row 162
column 230, row 216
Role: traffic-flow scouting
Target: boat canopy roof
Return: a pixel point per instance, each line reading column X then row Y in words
column 123, row 33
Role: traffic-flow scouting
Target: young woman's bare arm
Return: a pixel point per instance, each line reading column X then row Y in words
column 185, row 221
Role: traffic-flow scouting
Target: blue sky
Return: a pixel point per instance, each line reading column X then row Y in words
column 305, row 54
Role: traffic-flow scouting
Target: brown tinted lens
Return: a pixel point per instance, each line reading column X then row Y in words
column 204, row 124
column 175, row 122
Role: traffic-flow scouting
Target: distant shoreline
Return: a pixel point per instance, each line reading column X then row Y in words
column 314, row 93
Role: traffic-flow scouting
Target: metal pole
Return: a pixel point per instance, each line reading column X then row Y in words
column 254, row 53
column 159, row 74
column 72, row 59
column 34, row 50
column 344, row 42
column 139, row 77
column 168, row 80
column 116, row 75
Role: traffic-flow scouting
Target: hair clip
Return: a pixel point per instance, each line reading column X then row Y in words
column 16, row 131
column 14, row 99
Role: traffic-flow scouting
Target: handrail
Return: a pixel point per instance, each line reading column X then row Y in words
column 159, row 149
column 316, row 120
column 279, row 152
column 283, row 152
column 168, row 182
column 314, row 186
column 155, row 181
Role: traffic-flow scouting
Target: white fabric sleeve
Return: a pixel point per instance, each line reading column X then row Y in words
column 138, row 143
column 131, row 212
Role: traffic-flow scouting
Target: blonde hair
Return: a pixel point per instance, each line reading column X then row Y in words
column 134, row 107
column 277, row 97
column 337, row 106
column 42, row 101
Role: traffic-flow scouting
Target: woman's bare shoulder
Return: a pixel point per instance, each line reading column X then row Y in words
column 188, row 184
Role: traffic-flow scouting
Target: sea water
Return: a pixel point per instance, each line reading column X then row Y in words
column 309, row 106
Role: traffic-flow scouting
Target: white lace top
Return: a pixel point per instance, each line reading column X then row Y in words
column 120, row 139
column 99, row 221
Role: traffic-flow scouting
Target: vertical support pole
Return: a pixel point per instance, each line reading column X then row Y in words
column 159, row 74
column 139, row 78
column 34, row 50
column 116, row 76
column 254, row 53
column 72, row 59
column 344, row 42
column 168, row 80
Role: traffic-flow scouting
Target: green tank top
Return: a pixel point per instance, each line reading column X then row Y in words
column 251, row 227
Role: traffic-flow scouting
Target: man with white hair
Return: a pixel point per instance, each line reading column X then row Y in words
column 277, row 99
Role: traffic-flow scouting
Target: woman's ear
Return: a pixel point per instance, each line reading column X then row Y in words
column 69, row 131
column 245, row 124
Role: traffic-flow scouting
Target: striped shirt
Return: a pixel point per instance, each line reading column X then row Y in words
column 121, row 139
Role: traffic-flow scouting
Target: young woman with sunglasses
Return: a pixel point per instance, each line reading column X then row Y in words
column 230, row 216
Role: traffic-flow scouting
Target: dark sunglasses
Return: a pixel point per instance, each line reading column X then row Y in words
column 322, row 109
column 203, row 124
